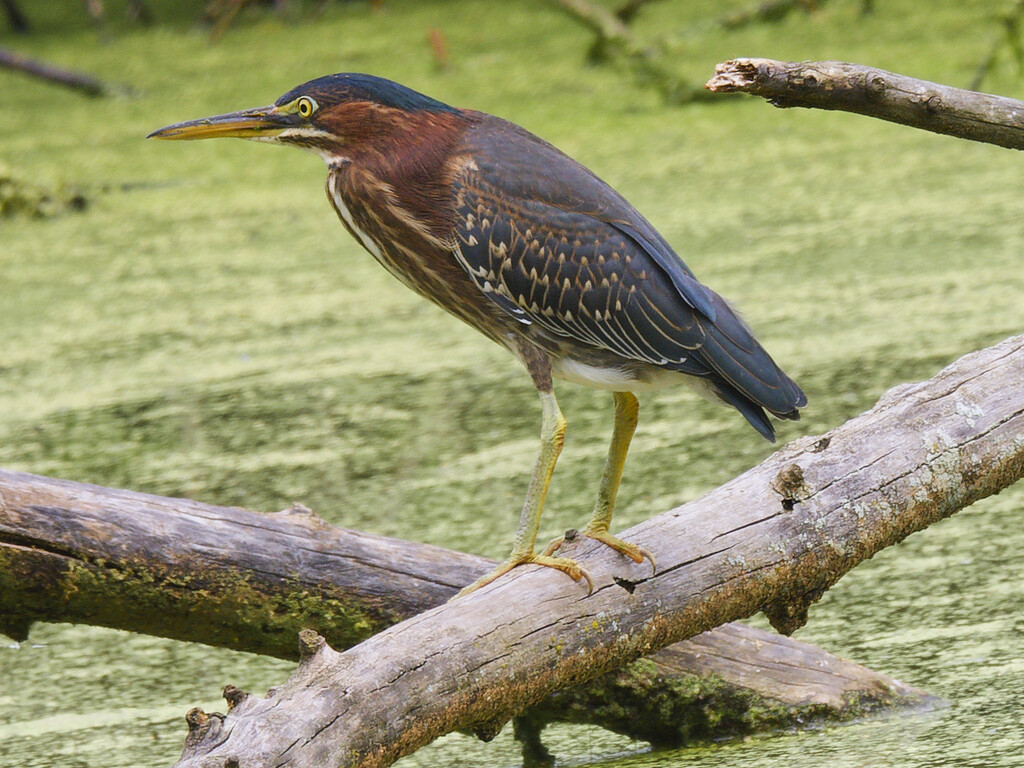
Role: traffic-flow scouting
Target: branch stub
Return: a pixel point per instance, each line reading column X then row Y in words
column 310, row 644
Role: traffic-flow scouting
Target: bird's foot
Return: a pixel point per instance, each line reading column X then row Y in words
column 632, row 551
column 569, row 567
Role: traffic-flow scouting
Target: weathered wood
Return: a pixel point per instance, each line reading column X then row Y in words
column 874, row 92
column 772, row 539
column 229, row 577
column 190, row 571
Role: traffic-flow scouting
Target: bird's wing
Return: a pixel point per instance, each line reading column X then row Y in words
column 552, row 244
column 571, row 274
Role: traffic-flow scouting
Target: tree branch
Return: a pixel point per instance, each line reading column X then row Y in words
column 16, row 18
column 1009, row 37
column 876, row 93
column 767, row 11
column 630, row 9
column 772, row 539
column 614, row 36
column 77, row 81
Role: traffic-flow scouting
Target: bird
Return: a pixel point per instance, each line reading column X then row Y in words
column 532, row 249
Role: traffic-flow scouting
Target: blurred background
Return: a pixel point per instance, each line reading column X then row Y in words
column 192, row 320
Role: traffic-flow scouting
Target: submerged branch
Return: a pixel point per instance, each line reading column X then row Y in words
column 77, row 81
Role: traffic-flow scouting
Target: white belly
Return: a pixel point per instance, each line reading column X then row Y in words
column 614, row 379
column 619, row 380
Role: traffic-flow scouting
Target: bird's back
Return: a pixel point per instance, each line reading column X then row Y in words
column 559, row 249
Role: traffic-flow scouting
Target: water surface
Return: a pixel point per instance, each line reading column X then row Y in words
column 207, row 329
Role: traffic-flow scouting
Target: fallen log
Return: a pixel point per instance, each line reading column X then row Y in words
column 772, row 539
column 228, row 577
column 836, row 85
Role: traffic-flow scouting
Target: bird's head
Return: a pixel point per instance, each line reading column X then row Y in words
column 334, row 116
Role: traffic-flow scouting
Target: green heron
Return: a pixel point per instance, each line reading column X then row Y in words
column 505, row 232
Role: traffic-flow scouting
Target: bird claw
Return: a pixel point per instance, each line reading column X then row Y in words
column 632, row 551
column 646, row 554
column 555, row 544
column 638, row 554
column 580, row 573
column 569, row 567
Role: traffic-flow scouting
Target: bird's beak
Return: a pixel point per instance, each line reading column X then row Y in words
column 258, row 123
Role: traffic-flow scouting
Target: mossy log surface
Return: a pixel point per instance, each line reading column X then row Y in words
column 730, row 681
column 773, row 539
column 249, row 581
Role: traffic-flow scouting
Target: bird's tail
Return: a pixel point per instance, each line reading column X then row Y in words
column 744, row 375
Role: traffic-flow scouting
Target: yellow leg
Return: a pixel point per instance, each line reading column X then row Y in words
column 627, row 409
column 551, row 441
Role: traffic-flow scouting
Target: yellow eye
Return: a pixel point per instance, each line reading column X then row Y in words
column 305, row 107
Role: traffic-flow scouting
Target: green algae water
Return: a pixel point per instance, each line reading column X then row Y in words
column 206, row 328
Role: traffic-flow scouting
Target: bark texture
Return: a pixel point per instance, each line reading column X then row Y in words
column 772, row 539
column 876, row 93
column 247, row 581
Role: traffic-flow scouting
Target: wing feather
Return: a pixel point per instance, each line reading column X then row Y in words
column 553, row 245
